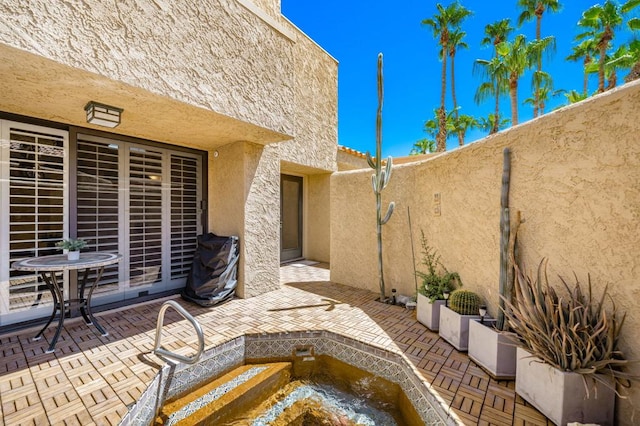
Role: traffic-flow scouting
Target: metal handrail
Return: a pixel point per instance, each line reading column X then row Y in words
column 186, row 315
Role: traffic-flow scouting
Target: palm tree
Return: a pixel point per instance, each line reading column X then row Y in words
column 575, row 96
column 495, row 34
column 462, row 124
column 442, row 23
column 456, row 42
column 491, row 122
column 531, row 9
column 423, row 146
column 586, row 49
column 634, row 51
column 516, row 60
column 497, row 85
column 601, row 22
column 634, row 46
column 545, row 93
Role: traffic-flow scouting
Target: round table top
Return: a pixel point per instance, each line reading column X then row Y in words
column 59, row 262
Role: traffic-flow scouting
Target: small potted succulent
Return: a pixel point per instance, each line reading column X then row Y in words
column 462, row 307
column 73, row 247
column 435, row 285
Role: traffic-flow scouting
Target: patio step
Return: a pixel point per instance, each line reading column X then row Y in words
column 227, row 396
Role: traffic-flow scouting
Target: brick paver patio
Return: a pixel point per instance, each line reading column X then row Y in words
column 92, row 380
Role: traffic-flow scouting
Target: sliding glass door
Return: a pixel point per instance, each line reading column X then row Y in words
column 143, row 201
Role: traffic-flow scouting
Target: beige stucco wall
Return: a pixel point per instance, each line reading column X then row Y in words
column 213, row 54
column 270, row 7
column 315, row 103
column 347, row 161
column 575, row 178
column 317, row 233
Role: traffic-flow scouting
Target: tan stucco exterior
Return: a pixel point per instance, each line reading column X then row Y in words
column 231, row 77
column 575, row 178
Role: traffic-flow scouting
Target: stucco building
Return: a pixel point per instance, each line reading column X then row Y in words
column 228, row 118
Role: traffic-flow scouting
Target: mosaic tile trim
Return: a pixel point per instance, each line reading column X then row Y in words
column 176, row 380
column 216, row 393
column 386, row 364
column 215, row 364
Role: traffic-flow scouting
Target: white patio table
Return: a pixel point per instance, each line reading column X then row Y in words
column 48, row 266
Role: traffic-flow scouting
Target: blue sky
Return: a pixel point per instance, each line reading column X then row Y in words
column 354, row 32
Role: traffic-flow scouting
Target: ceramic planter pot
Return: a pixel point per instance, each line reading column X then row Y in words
column 73, row 255
column 454, row 328
column 495, row 352
column 428, row 314
column 560, row 395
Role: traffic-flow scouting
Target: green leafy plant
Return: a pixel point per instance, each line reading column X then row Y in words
column 572, row 331
column 72, row 244
column 434, row 283
column 464, row 302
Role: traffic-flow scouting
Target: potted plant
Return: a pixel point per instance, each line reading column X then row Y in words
column 568, row 362
column 434, row 285
column 462, row 306
column 491, row 344
column 73, row 247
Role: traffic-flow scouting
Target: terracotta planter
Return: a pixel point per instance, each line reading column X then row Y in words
column 495, row 352
column 561, row 395
column 454, row 328
column 427, row 313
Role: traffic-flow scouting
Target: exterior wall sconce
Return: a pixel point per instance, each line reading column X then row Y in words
column 103, row 115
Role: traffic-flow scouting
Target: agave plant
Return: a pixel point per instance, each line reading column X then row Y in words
column 573, row 331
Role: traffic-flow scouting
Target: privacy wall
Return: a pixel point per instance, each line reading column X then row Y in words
column 575, row 178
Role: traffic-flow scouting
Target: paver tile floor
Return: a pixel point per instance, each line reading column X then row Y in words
column 92, row 380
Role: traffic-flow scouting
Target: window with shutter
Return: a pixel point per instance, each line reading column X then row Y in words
column 185, row 226
column 143, row 201
column 33, row 213
column 98, row 219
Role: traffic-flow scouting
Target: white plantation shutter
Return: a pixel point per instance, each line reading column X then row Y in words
column 185, row 223
column 33, row 183
column 145, row 216
column 98, row 182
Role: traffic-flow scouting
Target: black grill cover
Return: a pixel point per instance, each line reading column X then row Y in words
column 213, row 275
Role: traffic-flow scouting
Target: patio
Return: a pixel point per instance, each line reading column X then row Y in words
column 92, row 379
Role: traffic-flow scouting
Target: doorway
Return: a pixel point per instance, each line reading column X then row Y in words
column 290, row 217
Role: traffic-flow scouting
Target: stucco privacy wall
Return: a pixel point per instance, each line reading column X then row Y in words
column 575, row 178
column 213, row 54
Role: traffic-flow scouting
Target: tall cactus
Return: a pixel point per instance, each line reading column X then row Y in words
column 380, row 179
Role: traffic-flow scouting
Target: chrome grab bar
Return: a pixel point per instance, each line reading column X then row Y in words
column 186, row 315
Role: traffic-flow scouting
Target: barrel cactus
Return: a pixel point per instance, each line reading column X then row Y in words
column 464, row 302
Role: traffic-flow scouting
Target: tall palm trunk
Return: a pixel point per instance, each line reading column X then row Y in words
column 494, row 127
column 536, row 95
column 607, row 36
column 456, row 116
column 441, row 137
column 585, row 81
column 513, row 93
column 603, row 59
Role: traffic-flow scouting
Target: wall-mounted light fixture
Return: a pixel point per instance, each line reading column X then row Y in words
column 103, row 115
